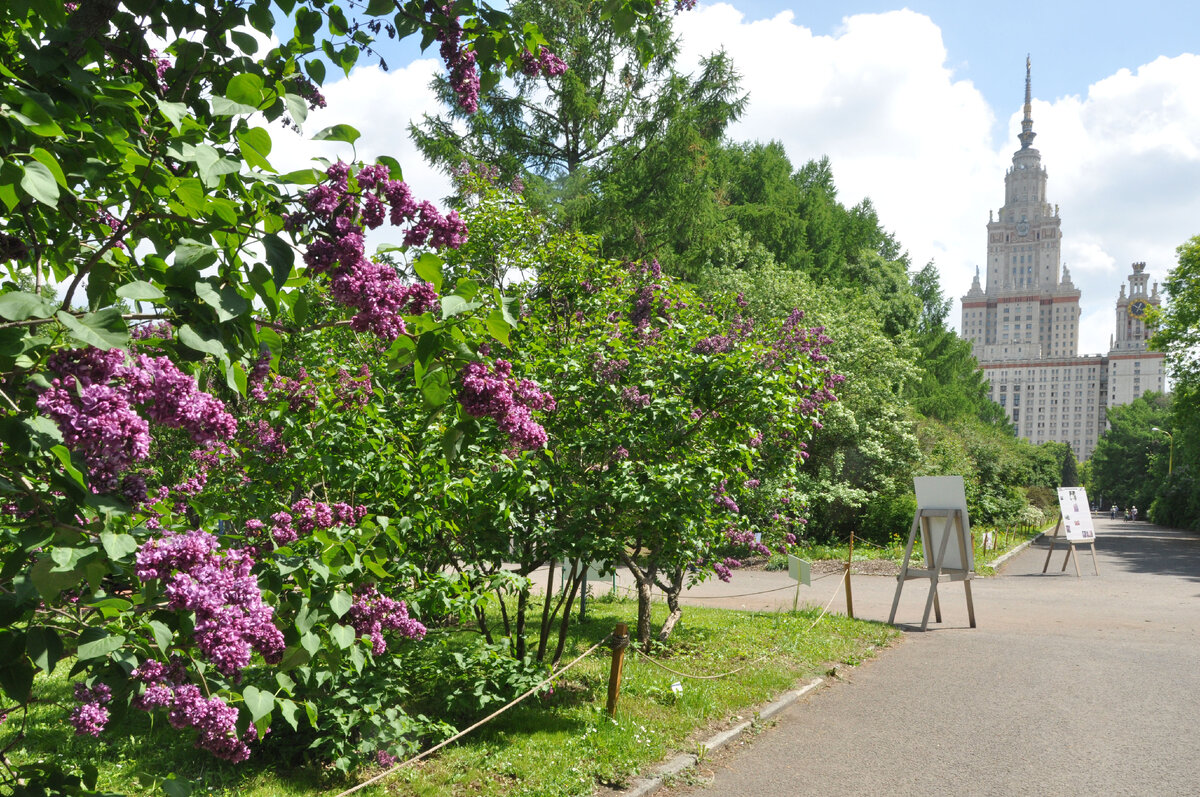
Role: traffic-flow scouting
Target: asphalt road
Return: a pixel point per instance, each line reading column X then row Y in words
column 1068, row 686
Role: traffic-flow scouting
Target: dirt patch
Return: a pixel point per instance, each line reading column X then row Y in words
column 824, row 567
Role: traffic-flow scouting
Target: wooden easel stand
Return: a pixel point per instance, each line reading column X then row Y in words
column 939, row 571
column 1070, row 550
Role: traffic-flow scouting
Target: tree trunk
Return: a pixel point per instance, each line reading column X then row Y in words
column 545, row 628
column 522, row 605
column 645, row 580
column 673, row 591
column 572, row 587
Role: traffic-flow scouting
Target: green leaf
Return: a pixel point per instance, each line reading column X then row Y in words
column 454, row 304
column 16, row 672
column 19, row 305
column 435, row 388
column 343, row 635
column 260, row 702
column 175, row 786
column 117, row 546
column 194, row 340
column 255, row 145
column 223, row 106
column 104, row 329
column 429, row 268
column 190, row 193
column 44, row 157
column 163, row 635
column 247, row 88
column 378, row 8
column 175, row 112
column 294, row 657
column 228, row 303
column 338, row 133
column 190, row 253
column 498, row 327
column 50, row 582
column 297, row 107
column 96, row 642
column 340, row 603
column 140, row 291
column 280, row 257
column 44, row 646
column 107, row 504
column 38, row 181
column 290, row 712
column 64, row 457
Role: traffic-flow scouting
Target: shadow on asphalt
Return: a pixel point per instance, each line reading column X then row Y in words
column 1140, row 547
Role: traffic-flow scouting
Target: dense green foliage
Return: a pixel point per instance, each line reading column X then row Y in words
column 1177, row 502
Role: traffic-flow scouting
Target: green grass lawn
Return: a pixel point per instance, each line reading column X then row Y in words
column 559, row 744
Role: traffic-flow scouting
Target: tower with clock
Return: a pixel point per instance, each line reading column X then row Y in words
column 1023, row 321
column 1132, row 368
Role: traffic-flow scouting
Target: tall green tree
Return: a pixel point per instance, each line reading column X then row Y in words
column 1178, row 336
column 1124, row 470
column 609, row 146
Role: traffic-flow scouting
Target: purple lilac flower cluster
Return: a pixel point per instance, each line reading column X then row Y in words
column 231, row 618
column 796, row 340
column 308, row 91
column 95, row 398
column 607, row 371
column 90, row 717
column 341, row 216
column 635, row 399
column 373, row 613
column 460, row 62
column 545, row 62
column 300, row 393
column 187, row 707
column 306, row 516
column 723, row 499
column 508, row 401
column 746, row 538
column 351, row 391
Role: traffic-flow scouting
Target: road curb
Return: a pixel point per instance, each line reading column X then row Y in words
column 649, row 785
column 996, row 564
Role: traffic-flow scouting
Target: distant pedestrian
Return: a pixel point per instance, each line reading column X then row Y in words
column 1133, row 511
column 1112, row 512
column 1126, row 515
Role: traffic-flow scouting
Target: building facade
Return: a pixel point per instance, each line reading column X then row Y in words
column 1024, row 325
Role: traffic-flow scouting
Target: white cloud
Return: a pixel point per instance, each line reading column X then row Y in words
column 879, row 99
column 380, row 105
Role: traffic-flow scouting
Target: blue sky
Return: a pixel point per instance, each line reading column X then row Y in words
column 918, row 107
column 1072, row 43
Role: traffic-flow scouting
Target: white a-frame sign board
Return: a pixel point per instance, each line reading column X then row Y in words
column 941, row 518
column 1076, row 525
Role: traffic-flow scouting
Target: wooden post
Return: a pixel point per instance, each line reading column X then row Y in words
column 849, row 595
column 620, row 642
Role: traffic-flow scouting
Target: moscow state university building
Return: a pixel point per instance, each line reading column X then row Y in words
column 1025, row 326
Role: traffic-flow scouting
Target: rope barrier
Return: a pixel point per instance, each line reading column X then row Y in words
column 813, row 625
column 483, row 721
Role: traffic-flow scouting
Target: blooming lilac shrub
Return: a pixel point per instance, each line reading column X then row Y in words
column 339, row 213
column 488, row 393
column 95, row 398
column 219, row 587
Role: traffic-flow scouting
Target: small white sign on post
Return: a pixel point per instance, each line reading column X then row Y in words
column 799, row 571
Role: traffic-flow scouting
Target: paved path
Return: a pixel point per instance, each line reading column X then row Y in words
column 1069, row 686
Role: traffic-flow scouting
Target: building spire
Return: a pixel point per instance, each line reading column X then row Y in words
column 1027, row 133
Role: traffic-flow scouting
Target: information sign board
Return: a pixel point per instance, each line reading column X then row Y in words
column 1076, row 514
